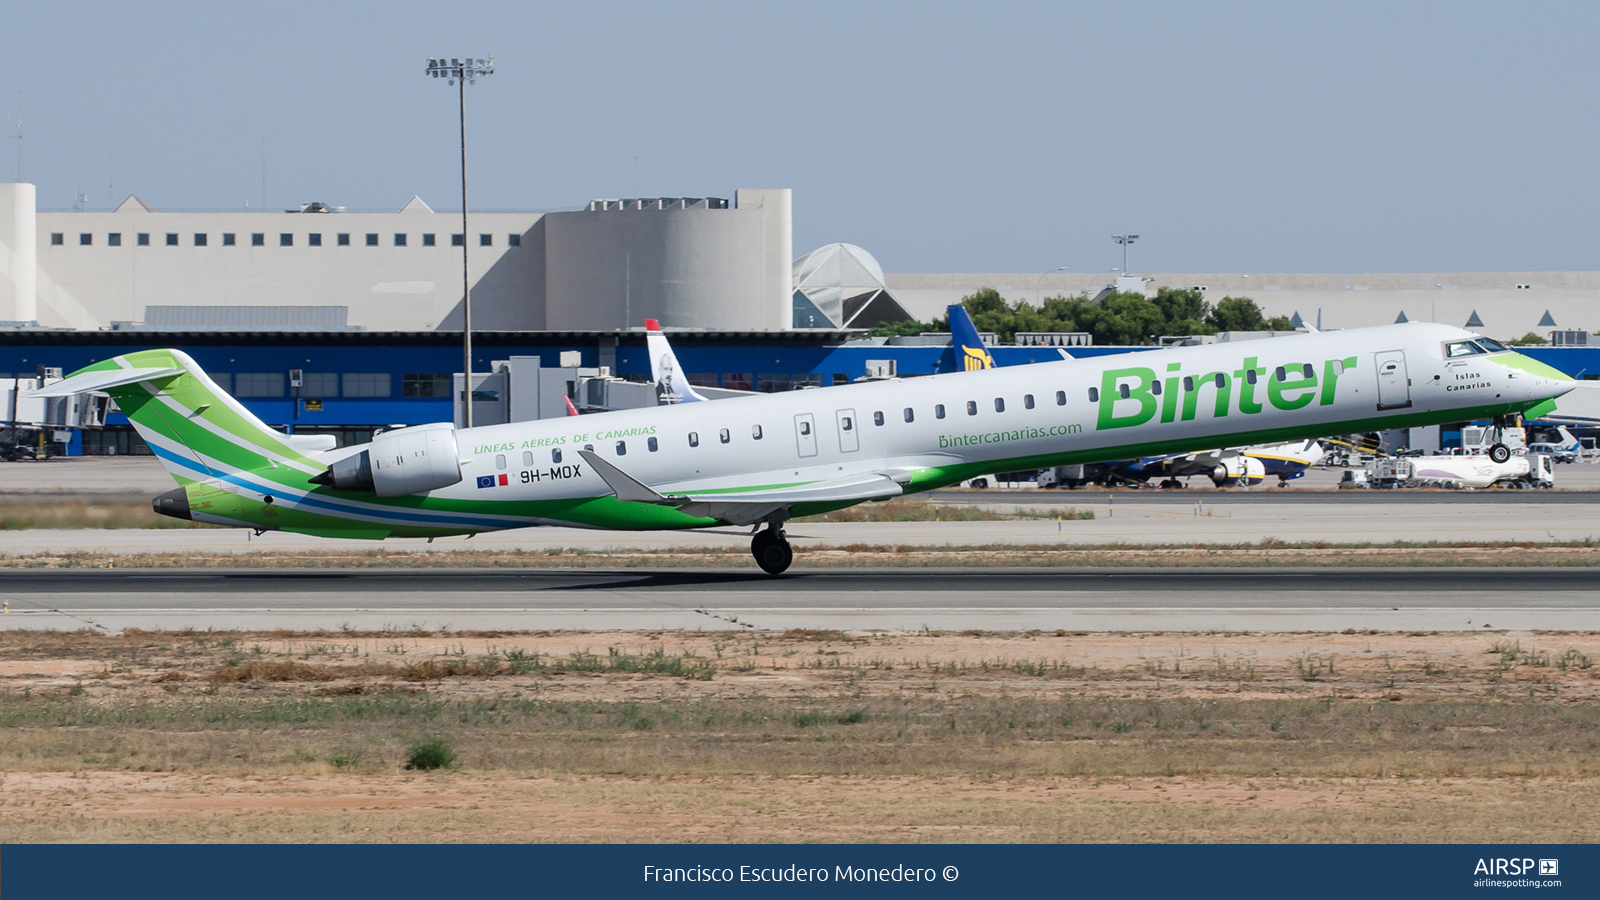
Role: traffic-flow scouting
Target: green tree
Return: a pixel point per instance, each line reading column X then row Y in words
column 991, row 312
column 1528, row 340
column 1129, row 318
column 1185, row 309
column 1118, row 318
column 1242, row 314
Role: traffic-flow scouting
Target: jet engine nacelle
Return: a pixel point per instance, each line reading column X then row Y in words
column 396, row 463
column 1245, row 470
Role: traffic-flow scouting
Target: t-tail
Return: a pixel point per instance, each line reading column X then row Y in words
column 672, row 385
column 197, row 430
column 971, row 355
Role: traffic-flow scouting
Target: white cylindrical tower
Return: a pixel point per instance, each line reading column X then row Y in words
column 776, row 205
column 19, row 253
column 686, row 262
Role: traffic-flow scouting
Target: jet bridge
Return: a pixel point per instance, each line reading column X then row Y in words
column 30, row 422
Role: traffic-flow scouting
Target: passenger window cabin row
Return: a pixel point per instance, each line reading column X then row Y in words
column 1124, row 391
column 972, row 407
column 1281, row 374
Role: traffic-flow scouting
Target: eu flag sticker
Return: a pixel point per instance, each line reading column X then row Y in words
column 485, row 481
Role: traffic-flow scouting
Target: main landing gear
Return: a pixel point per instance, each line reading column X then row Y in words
column 771, row 550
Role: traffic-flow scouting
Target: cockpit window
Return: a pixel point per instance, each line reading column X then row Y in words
column 1490, row 345
column 1461, row 348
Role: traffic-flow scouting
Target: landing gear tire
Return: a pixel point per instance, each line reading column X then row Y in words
column 773, row 554
column 1172, row 484
column 1499, row 453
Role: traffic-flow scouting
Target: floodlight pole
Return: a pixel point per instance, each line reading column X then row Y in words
column 466, row 278
column 1124, row 240
column 460, row 72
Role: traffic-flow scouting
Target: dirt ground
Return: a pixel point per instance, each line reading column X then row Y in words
column 801, row 736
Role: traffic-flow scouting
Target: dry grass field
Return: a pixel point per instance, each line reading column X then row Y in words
column 84, row 511
column 114, row 510
column 802, row 736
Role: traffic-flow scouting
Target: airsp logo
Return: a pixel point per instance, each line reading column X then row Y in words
column 1514, row 867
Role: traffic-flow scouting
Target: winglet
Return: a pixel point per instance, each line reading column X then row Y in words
column 652, row 325
column 627, row 488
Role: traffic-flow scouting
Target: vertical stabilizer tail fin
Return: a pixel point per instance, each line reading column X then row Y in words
column 672, row 384
column 971, row 355
column 194, row 426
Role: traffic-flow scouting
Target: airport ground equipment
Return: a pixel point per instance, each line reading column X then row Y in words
column 32, row 423
column 1533, row 470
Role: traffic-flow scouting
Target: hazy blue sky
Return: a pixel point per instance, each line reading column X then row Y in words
column 1003, row 137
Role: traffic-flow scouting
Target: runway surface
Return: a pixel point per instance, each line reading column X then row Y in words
column 1267, row 495
column 1281, row 600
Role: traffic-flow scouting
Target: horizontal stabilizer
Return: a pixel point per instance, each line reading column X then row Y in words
column 84, row 382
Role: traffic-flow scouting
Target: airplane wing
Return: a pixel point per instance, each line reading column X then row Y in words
column 1181, row 464
column 750, row 507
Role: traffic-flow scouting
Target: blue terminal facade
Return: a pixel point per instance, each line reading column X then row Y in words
column 354, row 382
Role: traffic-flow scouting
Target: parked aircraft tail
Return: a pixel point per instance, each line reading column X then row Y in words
column 971, row 355
column 672, row 384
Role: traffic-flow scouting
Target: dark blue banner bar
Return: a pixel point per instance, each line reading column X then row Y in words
column 1231, row 871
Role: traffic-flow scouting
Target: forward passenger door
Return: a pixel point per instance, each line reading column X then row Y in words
column 1394, row 383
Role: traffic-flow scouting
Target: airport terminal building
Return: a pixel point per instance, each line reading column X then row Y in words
column 328, row 320
column 684, row 261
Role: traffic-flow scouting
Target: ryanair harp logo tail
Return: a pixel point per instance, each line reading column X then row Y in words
column 971, row 355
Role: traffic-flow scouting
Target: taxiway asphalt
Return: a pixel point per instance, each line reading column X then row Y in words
column 1276, row 600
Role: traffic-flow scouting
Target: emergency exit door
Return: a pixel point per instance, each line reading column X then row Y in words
column 1394, row 384
column 849, row 438
column 805, row 434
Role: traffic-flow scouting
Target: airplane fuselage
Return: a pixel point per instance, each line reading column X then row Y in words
column 944, row 428
column 768, row 458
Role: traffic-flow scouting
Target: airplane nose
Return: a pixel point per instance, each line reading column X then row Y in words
column 1548, row 382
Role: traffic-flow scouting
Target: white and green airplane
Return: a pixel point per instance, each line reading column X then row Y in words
column 766, row 459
